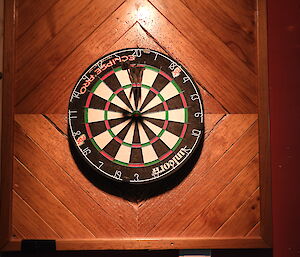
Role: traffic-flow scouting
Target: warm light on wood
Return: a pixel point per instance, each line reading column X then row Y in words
column 224, row 202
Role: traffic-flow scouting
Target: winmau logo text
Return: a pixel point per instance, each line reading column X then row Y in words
column 175, row 161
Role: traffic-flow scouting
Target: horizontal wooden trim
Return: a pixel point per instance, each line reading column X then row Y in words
column 153, row 244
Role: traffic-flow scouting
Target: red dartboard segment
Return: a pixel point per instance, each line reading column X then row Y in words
column 138, row 115
column 166, row 75
column 107, row 75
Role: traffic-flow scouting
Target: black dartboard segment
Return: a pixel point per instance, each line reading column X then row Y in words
column 135, row 115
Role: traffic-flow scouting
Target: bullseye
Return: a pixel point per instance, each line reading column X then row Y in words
column 136, row 114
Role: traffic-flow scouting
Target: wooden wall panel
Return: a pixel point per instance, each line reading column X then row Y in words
column 30, row 12
column 217, row 201
column 28, row 223
column 234, row 27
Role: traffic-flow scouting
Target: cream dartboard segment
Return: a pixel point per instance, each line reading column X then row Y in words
column 135, row 115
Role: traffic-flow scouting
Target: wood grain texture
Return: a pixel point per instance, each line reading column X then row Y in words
column 240, row 40
column 264, row 120
column 44, row 30
column 68, row 71
column 28, row 223
column 7, row 121
column 255, row 231
column 15, row 234
column 211, row 53
column 64, row 43
column 240, row 11
column 217, row 141
column 226, row 203
column 216, row 204
column 236, row 75
column 30, row 12
column 62, row 180
column 64, row 223
column 242, row 220
column 210, row 184
column 150, row 244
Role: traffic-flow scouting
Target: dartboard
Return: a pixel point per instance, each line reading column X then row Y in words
column 135, row 115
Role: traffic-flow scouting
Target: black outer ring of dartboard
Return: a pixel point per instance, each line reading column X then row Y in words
column 178, row 168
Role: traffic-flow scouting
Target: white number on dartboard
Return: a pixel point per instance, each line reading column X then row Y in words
column 100, row 164
column 75, row 94
column 86, row 151
column 137, row 52
column 196, row 132
column 198, row 114
column 118, row 174
column 136, row 177
column 172, row 66
column 185, row 79
column 72, row 114
column 77, row 133
column 100, row 64
column 194, row 97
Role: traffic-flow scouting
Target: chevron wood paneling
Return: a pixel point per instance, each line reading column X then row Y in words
column 216, row 41
column 234, row 27
column 230, row 171
column 29, row 13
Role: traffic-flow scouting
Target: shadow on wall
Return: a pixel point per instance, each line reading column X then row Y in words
column 135, row 193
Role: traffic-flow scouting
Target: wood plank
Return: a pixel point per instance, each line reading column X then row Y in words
column 64, row 188
column 242, row 43
column 60, row 121
column 28, row 223
column 49, row 208
column 226, row 203
column 152, row 244
column 37, row 128
column 210, row 103
column 255, row 231
column 208, row 186
column 16, row 234
column 209, row 54
column 51, row 90
column 211, row 121
column 242, row 221
column 46, row 29
column 242, row 12
column 135, row 37
column 7, row 121
column 264, row 128
column 56, row 50
column 30, row 12
column 162, row 243
column 227, row 132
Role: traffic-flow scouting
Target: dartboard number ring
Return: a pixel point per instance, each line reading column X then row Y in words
column 135, row 115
